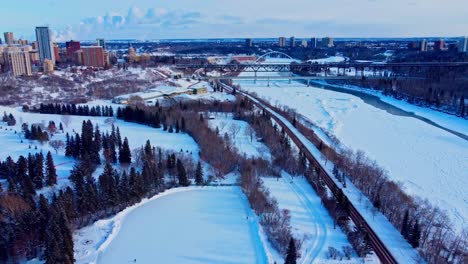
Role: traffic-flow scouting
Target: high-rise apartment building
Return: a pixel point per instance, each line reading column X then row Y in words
column 463, row 45
column 18, row 61
column 93, row 56
column 282, row 42
column 304, row 43
column 56, row 52
column 248, row 42
column 292, row 42
column 101, row 43
column 313, row 43
column 48, row 66
column 439, row 44
column 72, row 47
column 8, row 38
column 44, row 43
column 423, row 45
column 327, row 42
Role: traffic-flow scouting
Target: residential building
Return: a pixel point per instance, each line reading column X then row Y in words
column 439, row 44
column 56, row 52
column 248, row 42
column 8, row 38
column 463, row 45
column 34, row 57
column 282, row 42
column 292, row 42
column 44, row 43
column 79, row 57
column 327, row 42
column 48, row 66
column 72, row 47
column 304, row 43
column 18, row 61
column 423, row 45
column 107, row 56
column 34, row 45
column 101, row 43
column 93, row 56
column 313, row 43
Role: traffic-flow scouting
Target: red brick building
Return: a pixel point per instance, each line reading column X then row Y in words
column 93, row 56
column 72, row 47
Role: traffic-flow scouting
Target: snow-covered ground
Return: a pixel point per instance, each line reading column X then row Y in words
column 451, row 122
column 332, row 59
column 310, row 220
column 210, row 222
column 239, row 133
column 430, row 162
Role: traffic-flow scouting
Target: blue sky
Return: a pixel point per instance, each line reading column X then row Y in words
column 161, row 19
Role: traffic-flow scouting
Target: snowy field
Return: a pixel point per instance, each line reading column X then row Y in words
column 310, row 220
column 239, row 134
column 430, row 162
column 211, row 226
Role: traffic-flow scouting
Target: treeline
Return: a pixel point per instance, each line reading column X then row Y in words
column 73, row 109
column 425, row 226
column 448, row 95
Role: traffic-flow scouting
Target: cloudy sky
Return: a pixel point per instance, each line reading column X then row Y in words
column 165, row 19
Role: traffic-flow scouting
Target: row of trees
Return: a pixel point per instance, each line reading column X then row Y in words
column 91, row 141
column 425, row 226
column 73, row 109
column 27, row 175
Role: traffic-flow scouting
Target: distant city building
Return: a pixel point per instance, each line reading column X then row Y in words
column 44, row 43
column 56, row 52
column 8, row 38
column 18, row 61
column 463, row 45
column 439, row 44
column 72, row 47
column 292, row 42
column 313, row 43
column 79, row 57
column 327, row 42
column 282, row 42
column 423, row 45
column 93, row 56
column 101, row 43
column 34, row 45
column 34, row 57
column 248, row 42
column 48, row 66
column 21, row 42
column 107, row 56
column 413, row 45
column 304, row 43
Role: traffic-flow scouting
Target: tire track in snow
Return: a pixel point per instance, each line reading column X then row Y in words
column 320, row 228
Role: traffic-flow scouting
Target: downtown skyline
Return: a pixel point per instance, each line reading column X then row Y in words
column 143, row 20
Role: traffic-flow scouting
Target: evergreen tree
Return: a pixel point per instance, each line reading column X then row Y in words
column 415, row 235
column 182, row 174
column 291, row 255
column 51, row 173
column 404, row 225
column 199, row 174
column 125, row 156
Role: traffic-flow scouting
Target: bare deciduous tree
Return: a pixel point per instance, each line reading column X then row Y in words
column 57, row 145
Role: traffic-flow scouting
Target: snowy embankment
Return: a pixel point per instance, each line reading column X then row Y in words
column 388, row 234
column 310, row 220
column 241, row 135
column 428, row 161
column 211, row 224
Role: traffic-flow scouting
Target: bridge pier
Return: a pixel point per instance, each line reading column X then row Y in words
column 290, row 75
column 255, row 79
column 308, row 82
column 268, row 84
